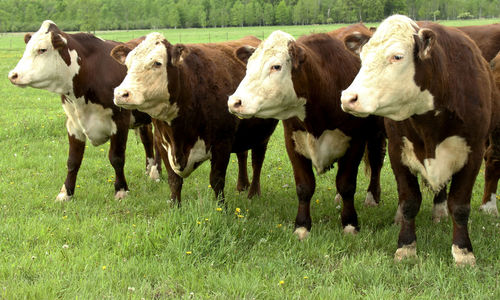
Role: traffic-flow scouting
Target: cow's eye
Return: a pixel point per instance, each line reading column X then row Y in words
column 397, row 58
column 41, row 51
column 275, row 68
column 157, row 64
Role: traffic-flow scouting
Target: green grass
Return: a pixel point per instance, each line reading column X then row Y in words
column 144, row 247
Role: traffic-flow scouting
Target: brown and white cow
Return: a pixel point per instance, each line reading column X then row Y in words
column 185, row 88
column 486, row 37
column 79, row 68
column 437, row 94
column 300, row 81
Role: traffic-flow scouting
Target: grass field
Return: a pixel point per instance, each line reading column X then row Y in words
column 144, row 247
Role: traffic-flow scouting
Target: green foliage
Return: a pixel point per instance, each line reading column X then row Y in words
column 91, row 15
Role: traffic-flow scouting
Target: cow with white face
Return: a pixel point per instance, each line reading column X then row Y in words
column 292, row 80
column 78, row 67
column 184, row 88
column 437, row 94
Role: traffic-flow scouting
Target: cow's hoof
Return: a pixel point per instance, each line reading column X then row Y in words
column 301, row 233
column 121, row 194
column 407, row 251
column 349, row 229
column 490, row 207
column 154, row 174
column 439, row 212
column 463, row 257
column 398, row 218
column 370, row 201
column 63, row 195
column 337, row 199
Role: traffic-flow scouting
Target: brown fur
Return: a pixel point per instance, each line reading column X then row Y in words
column 487, row 38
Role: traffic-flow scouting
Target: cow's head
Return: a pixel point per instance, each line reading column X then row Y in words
column 267, row 90
column 385, row 84
column 47, row 62
column 146, row 85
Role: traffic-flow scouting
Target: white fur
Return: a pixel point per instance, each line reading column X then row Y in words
column 398, row 218
column 301, row 233
column 406, row 251
column 265, row 93
column 490, row 207
column 63, row 195
column 89, row 120
column 152, row 169
column 463, row 257
column 370, row 201
column 349, row 229
column 147, row 84
column 198, row 153
column 384, row 87
column 121, row 194
column 322, row 151
column 47, row 70
column 439, row 211
column 338, row 199
column 450, row 157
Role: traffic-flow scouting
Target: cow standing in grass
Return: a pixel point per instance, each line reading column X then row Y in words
column 79, row 68
column 185, row 88
column 299, row 82
column 440, row 103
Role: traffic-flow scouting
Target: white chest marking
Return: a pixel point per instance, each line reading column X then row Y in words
column 450, row 156
column 89, row 120
column 322, row 151
column 197, row 154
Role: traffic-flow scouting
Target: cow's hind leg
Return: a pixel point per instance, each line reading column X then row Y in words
column 258, row 155
column 152, row 168
column 440, row 208
column 243, row 182
column 75, row 156
column 491, row 177
column 116, row 157
column 218, row 168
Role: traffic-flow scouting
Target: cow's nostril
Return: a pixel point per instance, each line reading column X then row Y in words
column 13, row 76
column 353, row 99
column 237, row 103
column 125, row 95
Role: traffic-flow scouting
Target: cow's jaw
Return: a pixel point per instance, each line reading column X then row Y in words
column 264, row 92
column 146, row 85
column 385, row 86
column 47, row 70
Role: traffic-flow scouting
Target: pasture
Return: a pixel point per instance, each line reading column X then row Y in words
column 145, row 247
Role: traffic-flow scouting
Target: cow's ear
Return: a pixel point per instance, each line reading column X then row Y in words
column 424, row 42
column 57, row 41
column 243, row 53
column 355, row 41
column 27, row 37
column 119, row 53
column 169, row 48
column 372, row 29
column 179, row 52
column 297, row 53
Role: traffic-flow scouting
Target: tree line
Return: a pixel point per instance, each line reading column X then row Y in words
column 91, row 15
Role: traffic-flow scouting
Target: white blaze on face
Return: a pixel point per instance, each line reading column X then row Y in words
column 267, row 89
column 198, row 154
column 385, row 84
column 146, row 82
column 324, row 150
column 450, row 157
column 42, row 66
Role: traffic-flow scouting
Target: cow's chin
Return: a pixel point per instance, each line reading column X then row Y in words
column 126, row 105
column 355, row 113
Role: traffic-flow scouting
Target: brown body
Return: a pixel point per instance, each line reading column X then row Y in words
column 200, row 77
column 487, row 38
column 328, row 69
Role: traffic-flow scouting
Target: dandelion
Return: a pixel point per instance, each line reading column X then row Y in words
column 238, row 210
column 329, row 188
column 102, row 150
column 77, row 185
column 198, row 222
column 241, row 216
column 317, row 201
column 279, row 168
column 133, row 225
column 282, row 282
column 189, row 252
column 279, row 225
column 110, row 180
column 209, row 186
column 305, row 277
column 103, row 268
column 206, row 219
column 218, row 209
column 65, row 217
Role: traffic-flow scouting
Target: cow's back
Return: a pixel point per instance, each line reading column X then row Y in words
column 487, row 38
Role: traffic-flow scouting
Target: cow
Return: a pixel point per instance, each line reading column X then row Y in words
column 299, row 82
column 184, row 87
column 79, row 68
column 439, row 109
column 487, row 38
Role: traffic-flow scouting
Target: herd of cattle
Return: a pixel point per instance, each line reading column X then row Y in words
column 425, row 88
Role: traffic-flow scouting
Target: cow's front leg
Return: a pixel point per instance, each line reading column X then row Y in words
column 346, row 185
column 439, row 208
column 75, row 156
column 218, row 167
column 491, row 177
column 459, row 206
column 152, row 168
column 116, row 157
column 376, row 147
column 258, row 155
column 243, row 182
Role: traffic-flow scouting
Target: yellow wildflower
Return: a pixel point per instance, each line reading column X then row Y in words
column 218, row 209
column 189, row 252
